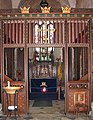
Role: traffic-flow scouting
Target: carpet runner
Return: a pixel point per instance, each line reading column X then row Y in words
column 42, row 103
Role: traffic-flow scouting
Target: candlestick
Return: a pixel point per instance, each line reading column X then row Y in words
column 8, row 83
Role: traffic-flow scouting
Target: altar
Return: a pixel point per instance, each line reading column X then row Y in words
column 35, row 91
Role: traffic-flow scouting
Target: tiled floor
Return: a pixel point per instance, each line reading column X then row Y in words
column 56, row 112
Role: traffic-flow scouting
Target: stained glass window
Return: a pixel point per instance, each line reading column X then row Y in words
column 44, row 33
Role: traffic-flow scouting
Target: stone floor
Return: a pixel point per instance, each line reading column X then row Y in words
column 56, row 112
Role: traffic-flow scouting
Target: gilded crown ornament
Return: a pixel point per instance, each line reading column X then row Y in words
column 45, row 9
column 24, row 10
column 66, row 9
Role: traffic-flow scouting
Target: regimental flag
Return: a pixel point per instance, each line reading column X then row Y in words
column 60, row 72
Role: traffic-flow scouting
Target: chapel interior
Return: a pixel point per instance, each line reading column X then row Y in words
column 47, row 53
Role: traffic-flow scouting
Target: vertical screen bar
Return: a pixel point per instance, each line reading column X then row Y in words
column 81, row 32
column 6, row 32
column 70, row 31
column 17, row 32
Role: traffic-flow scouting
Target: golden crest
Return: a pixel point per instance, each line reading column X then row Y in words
column 45, row 9
column 24, row 10
column 66, row 9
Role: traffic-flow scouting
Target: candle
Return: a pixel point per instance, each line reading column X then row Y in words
column 8, row 83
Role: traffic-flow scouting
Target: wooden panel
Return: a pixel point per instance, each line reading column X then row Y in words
column 71, row 101
column 21, row 102
column 79, row 87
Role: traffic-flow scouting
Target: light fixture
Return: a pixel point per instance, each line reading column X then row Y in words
column 44, row 3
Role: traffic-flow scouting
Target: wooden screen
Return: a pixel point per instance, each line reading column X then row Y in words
column 13, row 31
column 78, row 31
column 48, row 31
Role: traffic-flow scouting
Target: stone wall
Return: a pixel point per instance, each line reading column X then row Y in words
column 84, row 4
column 5, row 4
